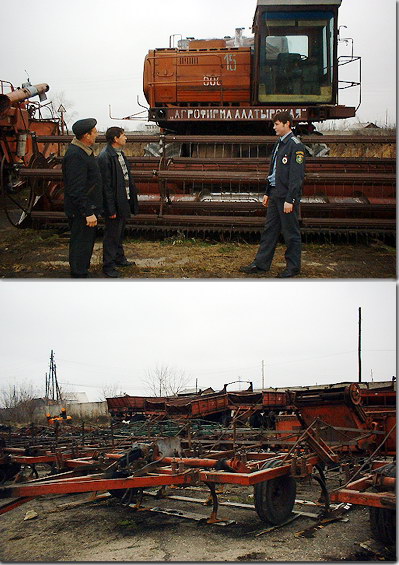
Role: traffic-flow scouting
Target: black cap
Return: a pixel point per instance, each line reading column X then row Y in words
column 81, row 127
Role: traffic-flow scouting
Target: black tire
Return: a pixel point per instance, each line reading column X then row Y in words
column 383, row 520
column 275, row 499
column 383, row 525
column 256, row 420
column 126, row 496
column 8, row 471
column 388, row 470
column 225, row 419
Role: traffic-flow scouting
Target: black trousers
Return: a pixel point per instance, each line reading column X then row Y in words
column 113, row 252
column 278, row 222
column 80, row 245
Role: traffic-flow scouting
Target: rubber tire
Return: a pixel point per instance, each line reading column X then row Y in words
column 225, row 419
column 255, row 421
column 8, row 471
column 383, row 520
column 383, row 525
column 267, row 493
column 120, row 493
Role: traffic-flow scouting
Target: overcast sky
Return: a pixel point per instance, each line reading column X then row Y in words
column 92, row 51
column 112, row 333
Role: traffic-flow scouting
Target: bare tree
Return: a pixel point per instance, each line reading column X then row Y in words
column 19, row 402
column 166, row 381
column 110, row 391
column 59, row 99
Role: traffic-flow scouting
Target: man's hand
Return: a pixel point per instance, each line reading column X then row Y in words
column 91, row 221
column 288, row 208
column 265, row 200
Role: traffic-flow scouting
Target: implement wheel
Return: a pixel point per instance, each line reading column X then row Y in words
column 383, row 520
column 275, row 499
column 8, row 471
column 383, row 525
column 126, row 496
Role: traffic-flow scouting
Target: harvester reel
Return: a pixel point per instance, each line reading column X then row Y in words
column 275, row 498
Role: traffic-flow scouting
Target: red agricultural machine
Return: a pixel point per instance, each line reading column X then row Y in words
column 223, row 407
column 214, row 100
column 341, row 439
column 235, row 86
column 21, row 122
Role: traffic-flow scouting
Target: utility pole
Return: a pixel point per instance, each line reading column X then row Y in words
column 53, row 391
column 359, row 348
column 263, row 374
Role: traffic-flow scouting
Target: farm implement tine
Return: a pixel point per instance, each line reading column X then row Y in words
column 213, row 519
column 14, row 503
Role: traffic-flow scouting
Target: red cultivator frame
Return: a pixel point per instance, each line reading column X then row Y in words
column 153, row 465
column 340, row 431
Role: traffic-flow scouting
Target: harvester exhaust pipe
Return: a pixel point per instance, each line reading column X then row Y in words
column 26, row 91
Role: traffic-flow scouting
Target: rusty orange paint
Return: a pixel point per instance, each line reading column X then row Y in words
column 376, row 499
column 200, row 75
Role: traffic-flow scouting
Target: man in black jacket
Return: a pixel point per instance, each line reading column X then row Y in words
column 82, row 195
column 282, row 197
column 120, row 200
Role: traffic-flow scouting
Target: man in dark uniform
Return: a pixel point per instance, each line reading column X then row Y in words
column 282, row 197
column 120, row 200
column 82, row 195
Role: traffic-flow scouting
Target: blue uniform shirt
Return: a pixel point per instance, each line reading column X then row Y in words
column 272, row 178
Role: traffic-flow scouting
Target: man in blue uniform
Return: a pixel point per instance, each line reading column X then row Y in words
column 282, row 197
column 83, row 200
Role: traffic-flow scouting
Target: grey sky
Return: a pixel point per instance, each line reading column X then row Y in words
column 106, row 333
column 93, row 50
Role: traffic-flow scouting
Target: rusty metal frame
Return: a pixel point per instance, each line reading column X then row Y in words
column 165, row 471
column 355, row 492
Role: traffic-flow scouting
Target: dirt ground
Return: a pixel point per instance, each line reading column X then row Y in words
column 75, row 528
column 27, row 253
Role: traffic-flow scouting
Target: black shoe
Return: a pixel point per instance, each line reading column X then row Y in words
column 252, row 269
column 126, row 263
column 113, row 273
column 286, row 274
column 78, row 276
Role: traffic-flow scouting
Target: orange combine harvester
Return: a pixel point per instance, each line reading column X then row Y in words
column 214, row 100
column 236, row 86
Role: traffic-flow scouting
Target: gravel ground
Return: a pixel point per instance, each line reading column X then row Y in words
column 75, row 528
